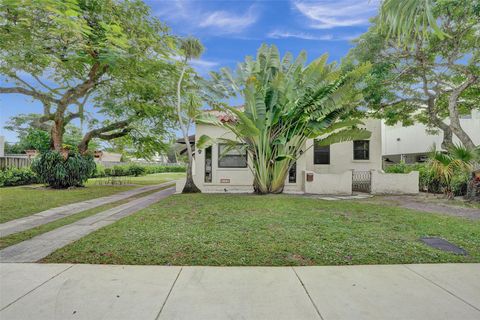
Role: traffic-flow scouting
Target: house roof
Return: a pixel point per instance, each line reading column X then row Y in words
column 225, row 116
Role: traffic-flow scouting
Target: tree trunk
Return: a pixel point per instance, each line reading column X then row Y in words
column 447, row 141
column 56, row 139
column 190, row 186
column 454, row 115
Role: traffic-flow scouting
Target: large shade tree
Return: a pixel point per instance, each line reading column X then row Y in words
column 426, row 64
column 68, row 55
column 286, row 102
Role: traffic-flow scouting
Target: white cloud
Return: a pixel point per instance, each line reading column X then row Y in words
column 193, row 16
column 276, row 34
column 229, row 22
column 202, row 66
column 341, row 13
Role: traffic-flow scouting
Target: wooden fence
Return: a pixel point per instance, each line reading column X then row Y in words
column 15, row 161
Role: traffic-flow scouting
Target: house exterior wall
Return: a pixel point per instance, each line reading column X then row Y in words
column 241, row 179
column 414, row 140
column 341, row 154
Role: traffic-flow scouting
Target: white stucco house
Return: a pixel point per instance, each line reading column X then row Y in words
column 411, row 144
column 341, row 168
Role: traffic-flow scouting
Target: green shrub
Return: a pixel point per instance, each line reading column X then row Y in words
column 162, row 168
column 57, row 172
column 136, row 170
column 99, row 171
column 401, row 167
column 17, row 177
column 460, row 184
column 119, row 171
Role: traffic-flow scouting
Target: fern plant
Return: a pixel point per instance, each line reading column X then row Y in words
column 286, row 102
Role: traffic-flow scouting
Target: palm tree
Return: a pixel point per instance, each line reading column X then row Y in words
column 286, row 103
column 190, row 48
column 405, row 20
column 444, row 166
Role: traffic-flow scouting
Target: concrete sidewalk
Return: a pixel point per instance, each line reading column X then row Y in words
column 64, row 291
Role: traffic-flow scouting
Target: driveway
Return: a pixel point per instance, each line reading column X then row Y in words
column 65, row 291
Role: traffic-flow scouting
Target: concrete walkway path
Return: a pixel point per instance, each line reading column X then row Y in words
column 65, row 291
column 42, row 245
column 37, row 219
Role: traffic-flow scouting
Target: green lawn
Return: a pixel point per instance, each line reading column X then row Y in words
column 30, row 233
column 272, row 230
column 17, row 202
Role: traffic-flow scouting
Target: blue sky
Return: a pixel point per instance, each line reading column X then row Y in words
column 231, row 30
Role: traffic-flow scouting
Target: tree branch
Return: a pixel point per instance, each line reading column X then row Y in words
column 102, row 133
column 35, row 94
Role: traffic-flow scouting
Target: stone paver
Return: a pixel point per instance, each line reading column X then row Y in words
column 238, row 293
column 42, row 245
column 158, row 292
column 37, row 219
column 97, row 292
column 383, row 292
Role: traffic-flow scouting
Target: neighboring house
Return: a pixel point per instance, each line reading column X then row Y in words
column 336, row 169
column 104, row 156
column 411, row 144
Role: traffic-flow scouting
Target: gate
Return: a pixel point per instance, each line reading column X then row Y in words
column 361, row 181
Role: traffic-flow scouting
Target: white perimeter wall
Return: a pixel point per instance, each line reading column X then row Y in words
column 394, row 183
column 329, row 183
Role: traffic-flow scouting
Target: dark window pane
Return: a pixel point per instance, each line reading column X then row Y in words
column 321, row 154
column 292, row 173
column 361, row 150
column 232, row 157
column 208, row 164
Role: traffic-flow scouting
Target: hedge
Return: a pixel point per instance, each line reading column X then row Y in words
column 135, row 169
column 17, row 177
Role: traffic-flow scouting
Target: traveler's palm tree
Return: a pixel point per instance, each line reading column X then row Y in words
column 445, row 165
column 285, row 103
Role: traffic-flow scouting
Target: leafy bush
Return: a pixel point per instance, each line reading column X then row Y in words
column 161, row 168
column 460, row 184
column 99, row 171
column 136, row 170
column 401, row 167
column 17, row 177
column 119, row 171
column 57, row 172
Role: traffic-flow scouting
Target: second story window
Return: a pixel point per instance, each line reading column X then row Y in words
column 321, row 154
column 361, row 150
